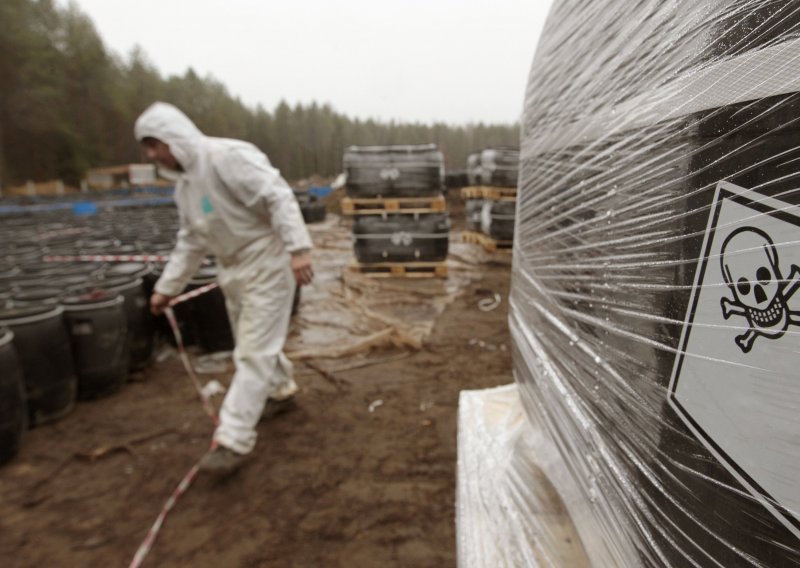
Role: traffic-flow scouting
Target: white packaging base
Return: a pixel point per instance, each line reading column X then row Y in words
column 508, row 514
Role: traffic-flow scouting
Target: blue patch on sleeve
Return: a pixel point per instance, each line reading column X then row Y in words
column 208, row 207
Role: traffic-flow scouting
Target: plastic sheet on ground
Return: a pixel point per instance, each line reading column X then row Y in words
column 499, row 453
column 345, row 313
column 654, row 307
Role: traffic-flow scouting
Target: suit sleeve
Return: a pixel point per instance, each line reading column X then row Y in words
column 185, row 259
column 247, row 173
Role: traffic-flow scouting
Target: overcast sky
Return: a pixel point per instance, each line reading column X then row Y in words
column 455, row 61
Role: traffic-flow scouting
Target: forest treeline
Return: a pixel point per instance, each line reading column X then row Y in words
column 67, row 103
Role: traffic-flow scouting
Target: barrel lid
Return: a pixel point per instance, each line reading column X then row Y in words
column 128, row 269
column 7, row 272
column 37, row 294
column 27, row 282
column 37, row 267
column 118, row 283
column 98, row 244
column 79, row 268
column 68, row 279
column 94, row 298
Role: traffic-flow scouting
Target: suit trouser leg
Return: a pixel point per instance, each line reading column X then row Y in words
column 260, row 309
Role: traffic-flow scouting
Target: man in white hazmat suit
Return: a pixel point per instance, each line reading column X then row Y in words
column 233, row 204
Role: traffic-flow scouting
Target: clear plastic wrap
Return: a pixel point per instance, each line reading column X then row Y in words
column 394, row 171
column 653, row 307
column 499, row 166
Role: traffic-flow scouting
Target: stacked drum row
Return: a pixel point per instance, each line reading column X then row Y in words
column 490, row 197
column 395, row 196
column 74, row 317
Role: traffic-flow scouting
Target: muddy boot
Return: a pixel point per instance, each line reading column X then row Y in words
column 221, row 461
column 274, row 407
column 280, row 401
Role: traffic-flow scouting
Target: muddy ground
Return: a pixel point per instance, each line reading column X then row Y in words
column 330, row 483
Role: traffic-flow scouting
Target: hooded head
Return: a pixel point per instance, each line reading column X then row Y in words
column 166, row 123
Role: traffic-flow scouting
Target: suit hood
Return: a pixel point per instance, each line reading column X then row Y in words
column 167, row 123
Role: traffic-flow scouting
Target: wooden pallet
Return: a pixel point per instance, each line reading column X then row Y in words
column 488, row 243
column 379, row 206
column 401, row 269
column 487, row 192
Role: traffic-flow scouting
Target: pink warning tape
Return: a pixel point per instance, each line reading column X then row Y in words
column 147, row 545
column 107, row 258
column 189, row 295
column 152, row 534
column 187, row 364
column 110, row 258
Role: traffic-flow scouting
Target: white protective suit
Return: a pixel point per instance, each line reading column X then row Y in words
column 235, row 205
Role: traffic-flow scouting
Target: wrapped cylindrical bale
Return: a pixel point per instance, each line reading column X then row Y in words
column 656, row 264
column 401, row 237
column 473, row 210
column 474, row 173
column 13, row 410
column 499, row 166
column 394, row 171
column 497, row 219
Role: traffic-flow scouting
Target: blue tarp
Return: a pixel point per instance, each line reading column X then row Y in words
column 83, row 207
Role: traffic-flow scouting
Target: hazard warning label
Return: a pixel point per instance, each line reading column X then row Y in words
column 736, row 379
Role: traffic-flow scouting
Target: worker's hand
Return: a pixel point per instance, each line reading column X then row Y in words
column 301, row 267
column 158, row 303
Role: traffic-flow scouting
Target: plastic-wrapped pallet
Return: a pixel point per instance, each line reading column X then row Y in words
column 497, row 219
column 474, row 171
column 499, row 166
column 473, row 211
column 394, row 171
column 655, row 310
column 401, row 238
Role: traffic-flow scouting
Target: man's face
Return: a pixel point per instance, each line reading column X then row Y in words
column 159, row 152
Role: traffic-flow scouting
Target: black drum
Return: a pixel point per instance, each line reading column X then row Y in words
column 98, row 334
column 13, row 411
column 42, row 344
column 141, row 324
column 210, row 313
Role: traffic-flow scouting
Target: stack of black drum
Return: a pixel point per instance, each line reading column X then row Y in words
column 490, row 199
column 395, row 194
column 75, row 329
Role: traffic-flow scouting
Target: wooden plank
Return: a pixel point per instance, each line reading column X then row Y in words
column 405, row 205
column 401, row 269
column 489, row 192
column 488, row 243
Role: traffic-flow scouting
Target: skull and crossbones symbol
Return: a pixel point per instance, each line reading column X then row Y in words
column 751, row 270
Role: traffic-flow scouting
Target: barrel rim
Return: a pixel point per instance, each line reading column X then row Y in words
column 130, row 284
column 99, row 305
column 49, row 313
